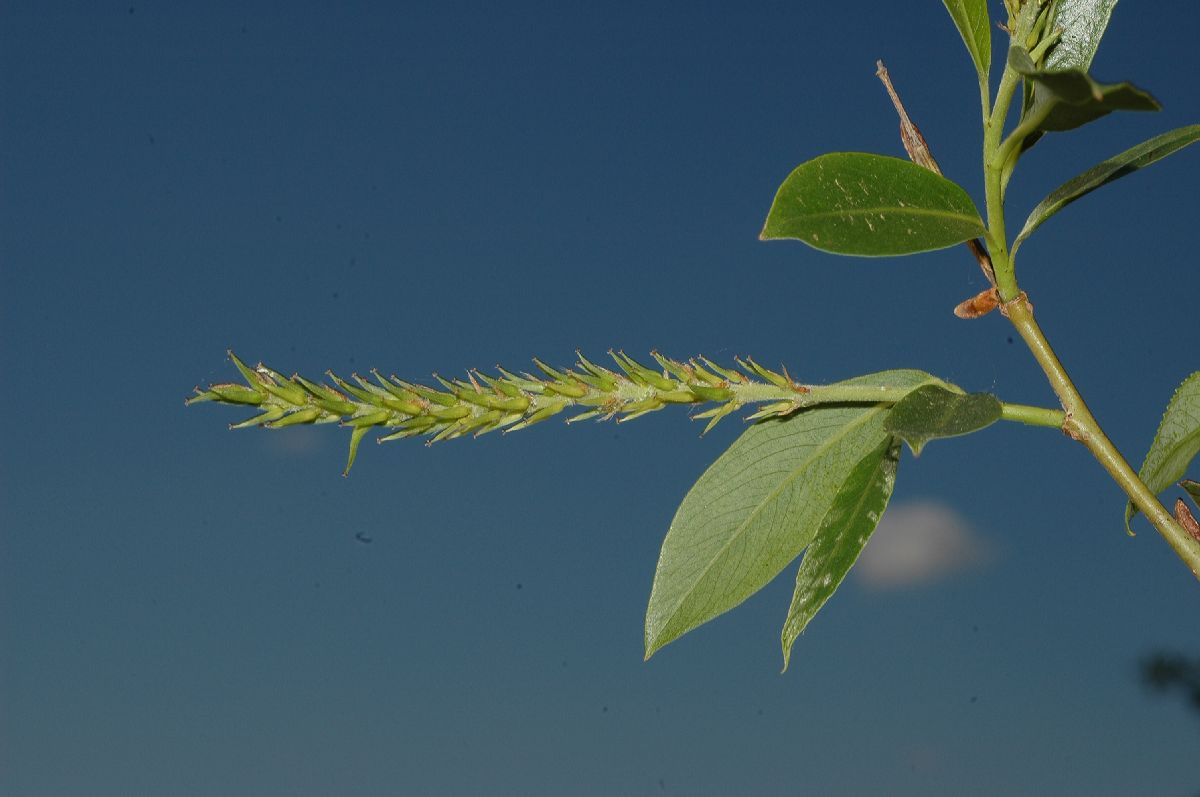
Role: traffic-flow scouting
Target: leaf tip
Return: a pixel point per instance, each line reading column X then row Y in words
column 1130, row 511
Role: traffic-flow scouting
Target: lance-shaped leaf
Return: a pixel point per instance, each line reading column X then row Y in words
column 1082, row 23
column 757, row 507
column 853, row 203
column 1175, row 444
column 971, row 19
column 1114, row 168
column 844, row 532
column 1066, row 99
column 1192, row 488
column 931, row 411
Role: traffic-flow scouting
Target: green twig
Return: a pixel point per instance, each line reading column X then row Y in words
column 1077, row 420
column 1081, row 425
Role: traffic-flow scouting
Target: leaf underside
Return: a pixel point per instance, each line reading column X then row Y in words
column 854, row 203
column 758, row 506
column 932, row 412
column 1114, row 168
column 843, row 534
column 1082, row 23
column 1176, row 442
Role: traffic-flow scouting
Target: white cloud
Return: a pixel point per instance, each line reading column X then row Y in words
column 295, row 441
column 920, row 543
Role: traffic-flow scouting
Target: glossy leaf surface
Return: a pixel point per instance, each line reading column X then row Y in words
column 1071, row 98
column 853, row 203
column 758, row 506
column 843, row 534
column 1112, row 169
column 1175, row 444
column 931, row 412
column 971, row 19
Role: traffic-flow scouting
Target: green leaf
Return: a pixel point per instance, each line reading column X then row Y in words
column 1082, row 23
column 1193, row 489
column 757, row 507
column 1112, row 169
column 853, row 203
column 931, row 411
column 1069, row 98
column 971, row 19
column 844, row 532
column 1175, row 444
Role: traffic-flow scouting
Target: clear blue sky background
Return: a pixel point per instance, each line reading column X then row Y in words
column 420, row 187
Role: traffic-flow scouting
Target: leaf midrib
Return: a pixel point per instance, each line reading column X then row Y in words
column 792, row 633
column 898, row 211
column 741, row 528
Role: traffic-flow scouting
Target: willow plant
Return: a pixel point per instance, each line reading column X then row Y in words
column 813, row 473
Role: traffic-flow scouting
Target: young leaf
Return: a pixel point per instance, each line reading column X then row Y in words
column 971, row 19
column 843, row 534
column 1175, row 444
column 1192, row 488
column 853, row 203
column 1082, row 23
column 757, row 507
column 1070, row 98
column 931, row 411
column 1112, row 169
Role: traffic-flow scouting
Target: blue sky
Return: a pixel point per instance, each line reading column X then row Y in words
column 421, row 187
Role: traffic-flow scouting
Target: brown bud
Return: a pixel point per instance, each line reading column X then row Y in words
column 978, row 305
column 1186, row 519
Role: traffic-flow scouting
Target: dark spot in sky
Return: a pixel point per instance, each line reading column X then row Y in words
column 564, row 664
column 334, row 294
column 975, row 628
column 352, row 361
column 1010, row 339
column 362, row 537
column 974, row 698
column 519, row 586
column 760, row 712
column 661, row 785
column 131, row 10
column 278, row 219
column 604, row 710
column 150, row 137
column 243, row 28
